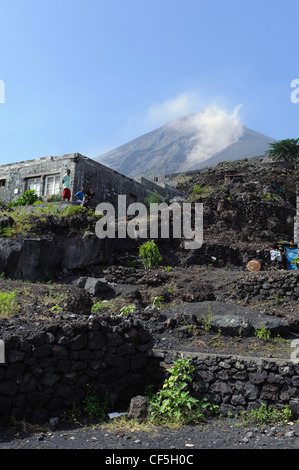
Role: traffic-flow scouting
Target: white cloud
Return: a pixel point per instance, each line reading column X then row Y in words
column 161, row 113
column 213, row 130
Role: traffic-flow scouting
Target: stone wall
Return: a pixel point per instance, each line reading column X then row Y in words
column 48, row 370
column 238, row 383
column 264, row 285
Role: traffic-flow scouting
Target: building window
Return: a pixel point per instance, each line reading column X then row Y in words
column 2, row 183
column 34, row 184
column 52, row 185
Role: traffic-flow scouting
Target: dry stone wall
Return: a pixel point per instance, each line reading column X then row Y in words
column 238, row 383
column 265, row 285
column 47, row 371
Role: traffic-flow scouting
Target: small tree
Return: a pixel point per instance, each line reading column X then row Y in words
column 149, row 254
column 286, row 150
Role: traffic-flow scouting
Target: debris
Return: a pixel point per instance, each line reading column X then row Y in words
column 254, row 266
column 115, row 414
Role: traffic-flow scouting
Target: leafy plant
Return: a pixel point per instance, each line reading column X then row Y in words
column 149, row 254
column 56, row 308
column 167, row 268
column 153, row 198
column 286, row 150
column 263, row 333
column 267, row 415
column 295, row 262
column 28, row 198
column 94, row 407
column 72, row 414
column 8, row 303
column 216, row 340
column 173, row 403
column 127, row 309
column 198, row 190
column 157, row 301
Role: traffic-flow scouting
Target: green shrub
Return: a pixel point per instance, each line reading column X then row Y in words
column 153, row 198
column 8, row 303
column 28, row 198
column 263, row 333
column 149, row 254
column 198, row 190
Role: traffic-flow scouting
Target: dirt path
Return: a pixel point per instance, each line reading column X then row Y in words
column 216, row 434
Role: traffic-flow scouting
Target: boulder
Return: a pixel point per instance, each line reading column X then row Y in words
column 231, row 325
column 33, row 259
column 98, row 287
column 138, row 408
column 81, row 251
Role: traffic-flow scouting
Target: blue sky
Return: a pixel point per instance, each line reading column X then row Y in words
column 90, row 75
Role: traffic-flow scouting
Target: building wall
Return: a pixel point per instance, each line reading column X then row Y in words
column 17, row 175
column 107, row 183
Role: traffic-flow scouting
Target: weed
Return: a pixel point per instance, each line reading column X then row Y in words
column 153, row 198
column 92, row 407
column 215, row 341
column 72, row 414
column 127, row 309
column 157, row 301
column 276, row 297
column 170, row 288
column 207, row 321
column 167, row 268
column 198, row 190
column 56, row 308
column 263, row 333
column 95, row 408
column 267, row 415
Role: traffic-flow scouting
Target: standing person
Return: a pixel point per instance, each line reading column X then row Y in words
column 66, row 186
